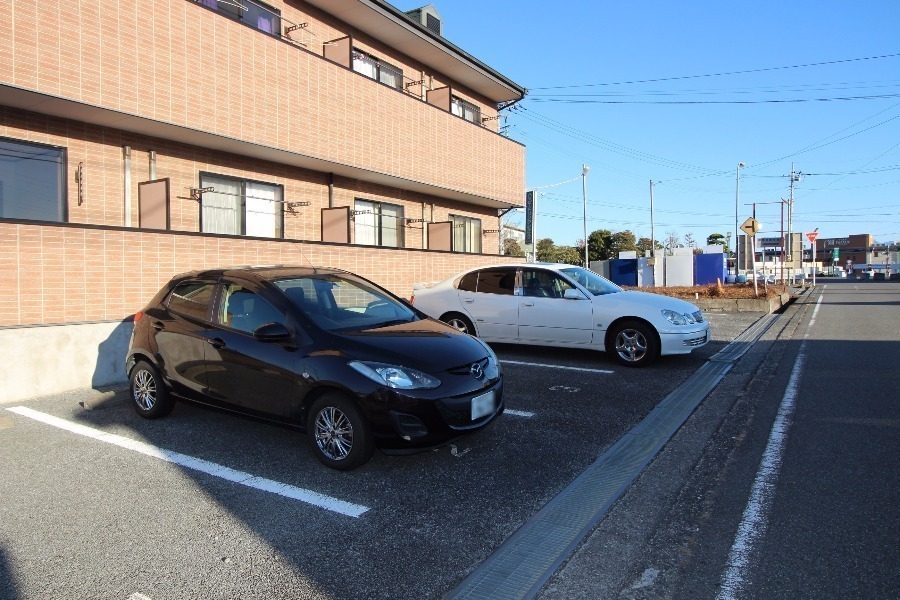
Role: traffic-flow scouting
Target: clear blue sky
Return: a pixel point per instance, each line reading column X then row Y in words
column 849, row 148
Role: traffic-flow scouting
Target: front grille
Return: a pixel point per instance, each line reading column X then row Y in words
column 698, row 316
column 695, row 341
column 466, row 369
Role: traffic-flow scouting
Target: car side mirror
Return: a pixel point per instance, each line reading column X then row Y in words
column 271, row 332
column 572, row 294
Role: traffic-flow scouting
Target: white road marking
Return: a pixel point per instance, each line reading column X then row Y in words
column 755, row 519
column 518, row 413
column 198, row 464
column 517, row 362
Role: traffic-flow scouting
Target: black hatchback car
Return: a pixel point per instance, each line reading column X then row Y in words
column 324, row 349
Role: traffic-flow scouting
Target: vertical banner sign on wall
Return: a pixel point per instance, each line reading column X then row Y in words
column 529, row 217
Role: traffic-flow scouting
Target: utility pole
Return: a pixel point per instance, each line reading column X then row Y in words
column 652, row 233
column 795, row 176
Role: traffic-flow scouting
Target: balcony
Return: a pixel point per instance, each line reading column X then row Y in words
column 190, row 74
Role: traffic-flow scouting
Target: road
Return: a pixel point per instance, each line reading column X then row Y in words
column 823, row 521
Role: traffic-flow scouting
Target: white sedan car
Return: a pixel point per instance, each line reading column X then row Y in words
column 567, row 306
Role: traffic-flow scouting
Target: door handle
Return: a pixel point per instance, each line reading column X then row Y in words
column 528, row 304
column 216, row 342
column 157, row 325
column 469, row 300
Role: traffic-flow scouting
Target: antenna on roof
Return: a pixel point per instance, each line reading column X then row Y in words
column 305, row 257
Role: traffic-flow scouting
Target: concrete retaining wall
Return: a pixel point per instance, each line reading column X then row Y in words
column 38, row 361
column 742, row 305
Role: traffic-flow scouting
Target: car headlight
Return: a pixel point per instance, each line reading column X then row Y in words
column 395, row 377
column 676, row 318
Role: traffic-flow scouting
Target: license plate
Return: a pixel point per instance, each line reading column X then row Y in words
column 483, row 405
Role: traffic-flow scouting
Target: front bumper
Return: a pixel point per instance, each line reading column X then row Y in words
column 683, row 342
column 405, row 423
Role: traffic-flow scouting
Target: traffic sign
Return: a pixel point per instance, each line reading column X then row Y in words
column 751, row 226
column 811, row 236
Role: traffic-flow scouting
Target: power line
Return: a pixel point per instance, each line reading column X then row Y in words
column 744, row 72
column 688, row 102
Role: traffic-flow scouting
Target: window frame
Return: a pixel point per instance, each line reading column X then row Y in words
column 243, row 182
column 379, row 224
column 62, row 209
column 466, row 221
column 456, row 101
column 379, row 65
column 237, row 15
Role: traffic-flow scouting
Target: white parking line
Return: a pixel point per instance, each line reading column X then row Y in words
column 518, row 413
column 198, row 464
column 517, row 362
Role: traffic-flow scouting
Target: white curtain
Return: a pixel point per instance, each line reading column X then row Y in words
column 364, row 227
column 365, row 65
column 221, row 208
column 390, row 225
column 466, row 234
column 264, row 209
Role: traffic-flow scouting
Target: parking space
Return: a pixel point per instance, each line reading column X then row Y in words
column 103, row 520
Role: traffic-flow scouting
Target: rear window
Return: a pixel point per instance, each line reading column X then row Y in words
column 468, row 282
column 191, row 299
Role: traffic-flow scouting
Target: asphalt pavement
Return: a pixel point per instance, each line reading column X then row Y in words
column 94, row 505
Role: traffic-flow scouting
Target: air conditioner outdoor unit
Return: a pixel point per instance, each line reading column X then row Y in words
column 429, row 18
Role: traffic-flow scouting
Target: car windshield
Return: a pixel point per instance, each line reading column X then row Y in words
column 343, row 302
column 594, row 283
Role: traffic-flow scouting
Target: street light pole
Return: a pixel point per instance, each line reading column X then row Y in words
column 584, row 172
column 737, row 195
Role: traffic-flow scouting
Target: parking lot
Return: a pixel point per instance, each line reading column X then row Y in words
column 102, row 503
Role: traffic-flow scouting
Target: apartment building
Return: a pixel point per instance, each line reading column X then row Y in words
column 142, row 140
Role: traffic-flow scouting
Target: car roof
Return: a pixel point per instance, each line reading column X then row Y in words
column 269, row 272
column 546, row 265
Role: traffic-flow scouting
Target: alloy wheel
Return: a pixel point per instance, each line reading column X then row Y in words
column 144, row 389
column 333, row 433
column 631, row 345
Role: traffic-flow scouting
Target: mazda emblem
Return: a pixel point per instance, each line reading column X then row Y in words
column 476, row 370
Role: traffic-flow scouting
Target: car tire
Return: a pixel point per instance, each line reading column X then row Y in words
column 459, row 323
column 338, row 433
column 149, row 394
column 633, row 344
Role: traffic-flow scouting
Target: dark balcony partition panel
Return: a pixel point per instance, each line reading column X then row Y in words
column 336, row 225
column 153, row 203
column 440, row 97
column 339, row 51
column 440, row 236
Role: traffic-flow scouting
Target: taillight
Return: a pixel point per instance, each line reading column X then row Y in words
column 137, row 316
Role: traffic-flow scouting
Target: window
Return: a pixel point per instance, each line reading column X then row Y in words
column 378, row 224
column 466, row 234
column 32, row 181
column 466, row 110
column 252, row 12
column 543, row 284
column 468, row 282
column 376, row 69
column 241, row 207
column 497, row 281
column 191, row 299
column 245, row 310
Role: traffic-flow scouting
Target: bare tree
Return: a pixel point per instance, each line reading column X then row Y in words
column 671, row 241
column 689, row 241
